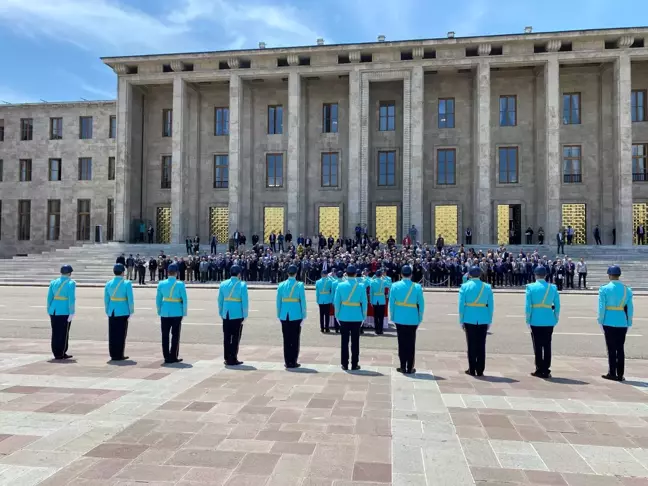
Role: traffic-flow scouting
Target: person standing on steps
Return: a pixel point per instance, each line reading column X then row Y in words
column 350, row 303
column 291, row 311
column 233, row 308
column 120, row 305
column 61, row 303
column 324, row 298
column 406, row 305
column 172, row 305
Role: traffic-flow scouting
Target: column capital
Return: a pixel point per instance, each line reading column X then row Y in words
column 120, row 69
column 484, row 49
column 625, row 41
column 418, row 52
column 354, row 56
column 553, row 45
column 293, row 60
column 177, row 66
column 233, row 62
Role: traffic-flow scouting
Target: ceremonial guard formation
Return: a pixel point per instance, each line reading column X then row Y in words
column 291, row 311
column 120, row 305
column 61, row 303
column 350, row 303
column 407, row 307
column 172, row 305
column 377, row 288
column 233, row 309
column 324, row 299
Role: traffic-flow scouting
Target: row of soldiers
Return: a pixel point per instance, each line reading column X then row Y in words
column 348, row 295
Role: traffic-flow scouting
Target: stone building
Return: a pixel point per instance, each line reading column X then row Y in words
column 493, row 133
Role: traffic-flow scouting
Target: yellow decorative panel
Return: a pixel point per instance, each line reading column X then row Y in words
column 273, row 220
column 503, row 224
column 163, row 225
column 386, row 222
column 445, row 223
column 575, row 215
column 329, row 221
column 219, row 223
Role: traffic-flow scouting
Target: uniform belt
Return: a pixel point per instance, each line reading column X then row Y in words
column 289, row 300
column 379, row 293
column 118, row 299
column 351, row 304
column 405, row 304
column 323, row 293
column 56, row 297
column 615, row 308
column 169, row 299
column 232, row 299
column 472, row 304
column 541, row 306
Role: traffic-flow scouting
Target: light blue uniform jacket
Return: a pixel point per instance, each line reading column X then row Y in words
column 233, row 299
column 61, row 297
column 171, row 298
column 406, row 304
column 350, row 300
column 291, row 300
column 476, row 304
column 324, row 291
column 542, row 304
column 378, row 286
column 118, row 297
column 615, row 299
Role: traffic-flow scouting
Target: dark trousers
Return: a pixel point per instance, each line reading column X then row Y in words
column 141, row 272
column 291, row 332
column 152, row 272
column 324, row 316
column 583, row 277
column 561, row 246
column 60, row 335
column 170, row 324
column 597, row 239
column 350, row 330
column 541, row 337
column 212, row 248
column 232, row 332
column 379, row 317
column 615, row 341
column 570, row 281
column 476, row 343
column 117, row 330
column 406, row 346
column 640, row 239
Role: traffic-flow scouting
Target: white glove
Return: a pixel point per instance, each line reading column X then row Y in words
column 70, row 317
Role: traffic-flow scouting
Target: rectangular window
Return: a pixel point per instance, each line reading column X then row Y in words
column 166, row 172
column 54, row 169
column 330, row 118
column 508, row 111
column 110, row 220
column 1, row 170
column 85, row 127
column 26, row 129
column 85, row 169
column 446, row 113
column 25, row 170
column 112, row 128
column 387, row 168
column 330, row 169
column 572, row 164
column 275, row 120
column 1, row 130
column 83, row 219
column 221, row 121
column 446, row 166
column 508, row 165
column 221, row 171
column 639, row 162
column 111, row 168
column 24, row 219
column 387, row 116
column 274, row 170
column 53, row 219
column 638, row 105
column 167, row 123
column 56, row 128
column 571, row 109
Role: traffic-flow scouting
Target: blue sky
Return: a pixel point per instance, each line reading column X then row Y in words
column 50, row 49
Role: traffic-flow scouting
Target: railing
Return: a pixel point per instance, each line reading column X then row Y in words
column 639, row 176
column 572, row 178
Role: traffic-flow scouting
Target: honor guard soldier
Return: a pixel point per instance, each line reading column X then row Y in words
column 615, row 311
column 542, row 309
column 476, row 309
column 61, row 301
column 334, row 285
column 233, row 309
column 377, row 291
column 291, row 311
column 120, row 305
column 324, row 299
column 350, row 303
column 406, row 306
column 172, row 305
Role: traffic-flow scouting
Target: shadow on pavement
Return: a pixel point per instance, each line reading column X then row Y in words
column 496, row 379
column 302, row 370
column 177, row 365
column 364, row 373
column 240, row 368
column 641, row 384
column 426, row 377
column 126, row 362
column 62, row 361
column 567, row 381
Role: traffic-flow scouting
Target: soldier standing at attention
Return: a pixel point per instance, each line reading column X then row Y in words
column 120, row 305
column 291, row 311
column 172, row 304
column 476, row 309
column 615, row 313
column 377, row 291
column 542, row 309
column 324, row 298
column 334, row 286
column 406, row 306
column 350, row 303
column 233, row 309
column 61, row 301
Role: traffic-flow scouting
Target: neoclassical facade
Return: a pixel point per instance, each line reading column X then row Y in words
column 494, row 133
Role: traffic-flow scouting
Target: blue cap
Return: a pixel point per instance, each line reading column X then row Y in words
column 351, row 270
column 406, row 271
column 540, row 271
column 65, row 269
column 119, row 269
column 474, row 271
column 235, row 270
column 378, row 272
column 292, row 270
column 324, row 272
column 172, row 268
column 614, row 270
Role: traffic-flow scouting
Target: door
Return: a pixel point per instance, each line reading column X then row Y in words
column 515, row 224
column 386, row 223
column 273, row 221
column 446, row 223
column 163, row 224
column 219, row 223
column 329, row 221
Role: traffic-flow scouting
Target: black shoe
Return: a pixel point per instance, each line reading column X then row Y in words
column 67, row 356
column 621, row 378
column 355, row 367
column 327, row 331
column 411, row 372
column 337, row 331
column 296, row 365
column 547, row 375
column 609, row 377
column 537, row 374
column 344, row 367
column 123, row 358
column 470, row 372
column 400, row 370
column 480, row 373
column 322, row 330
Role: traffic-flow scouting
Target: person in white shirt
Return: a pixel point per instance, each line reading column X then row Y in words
column 581, row 270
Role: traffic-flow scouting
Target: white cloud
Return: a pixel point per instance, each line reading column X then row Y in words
column 104, row 94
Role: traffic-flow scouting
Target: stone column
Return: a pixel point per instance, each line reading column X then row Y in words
column 482, row 214
column 416, row 122
column 623, row 86
column 179, row 179
column 552, row 145
column 123, row 160
column 353, row 198
column 294, row 154
column 235, row 104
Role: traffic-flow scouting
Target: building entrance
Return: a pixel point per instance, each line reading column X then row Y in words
column 509, row 224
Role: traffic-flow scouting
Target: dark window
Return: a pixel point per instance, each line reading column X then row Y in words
column 110, row 220
column 508, row 165
column 639, row 162
column 56, row 128
column 221, row 121
column 571, row 109
column 111, row 168
column 166, row 172
column 26, row 129
column 1, row 130
column 25, row 170
column 446, row 166
column 572, row 164
column 85, row 169
column 1, row 170
column 53, row 219
column 24, row 219
column 387, row 168
column 83, row 219
column 112, row 129
column 508, row 111
column 446, row 113
column 275, row 120
column 167, row 123
column 638, row 104
column 221, row 171
column 330, row 169
column 330, row 118
column 274, row 170
column 54, row 169
column 387, row 116
column 85, row 127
